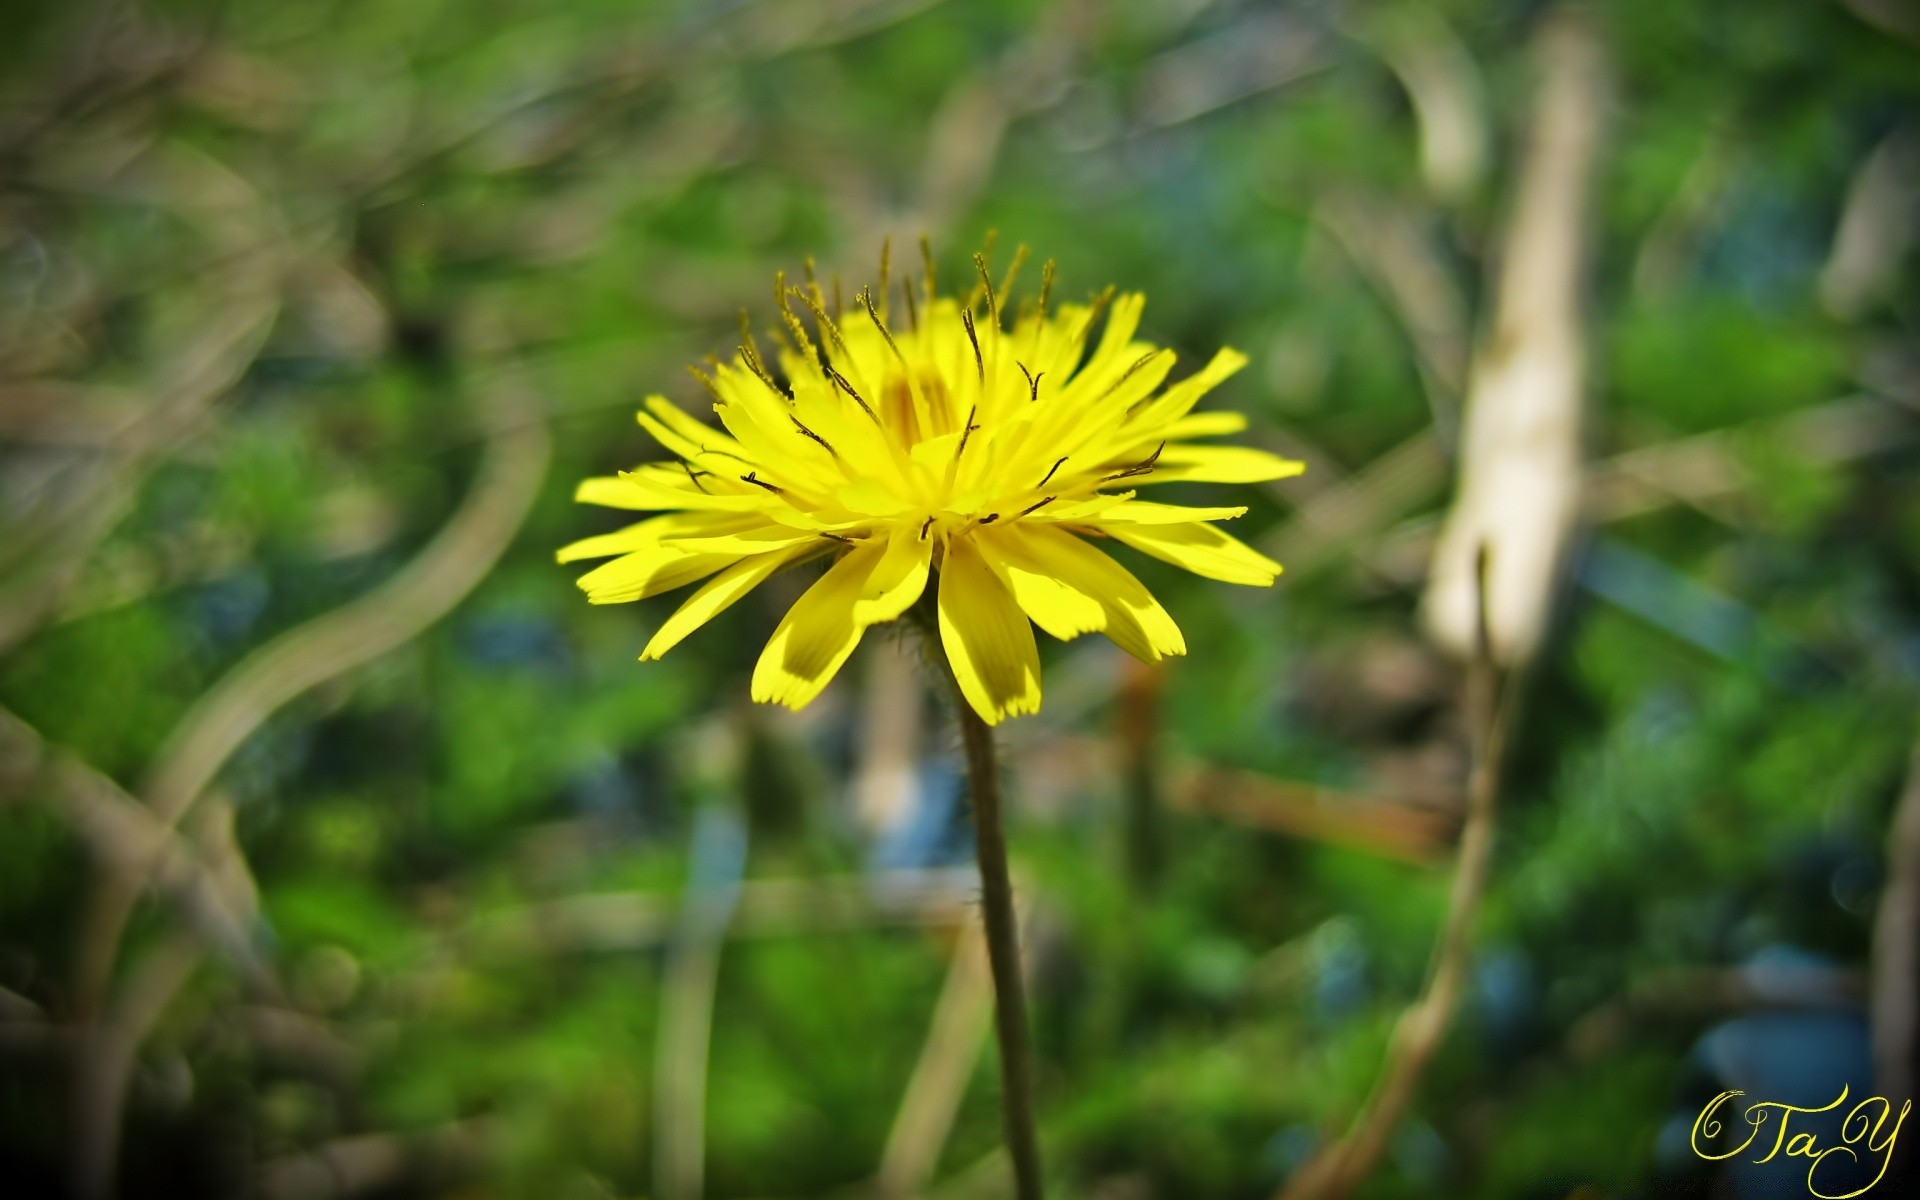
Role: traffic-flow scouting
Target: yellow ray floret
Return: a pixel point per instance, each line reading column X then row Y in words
column 940, row 441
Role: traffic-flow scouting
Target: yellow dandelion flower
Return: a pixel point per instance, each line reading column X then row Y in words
column 938, row 439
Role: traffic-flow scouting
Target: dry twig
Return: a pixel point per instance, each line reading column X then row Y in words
column 1520, row 453
column 1340, row 1167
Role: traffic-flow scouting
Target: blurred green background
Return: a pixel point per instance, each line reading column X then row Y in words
column 344, row 850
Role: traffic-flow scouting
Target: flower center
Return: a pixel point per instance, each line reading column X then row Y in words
column 912, row 419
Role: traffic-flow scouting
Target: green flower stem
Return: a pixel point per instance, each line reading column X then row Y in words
column 1003, row 948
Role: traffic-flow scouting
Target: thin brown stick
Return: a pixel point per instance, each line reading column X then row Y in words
column 1372, row 823
column 1003, row 951
column 1340, row 1167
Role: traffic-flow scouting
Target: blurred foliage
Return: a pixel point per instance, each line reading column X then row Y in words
column 446, row 196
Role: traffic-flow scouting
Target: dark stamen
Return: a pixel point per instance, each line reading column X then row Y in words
column 805, row 432
column 799, row 332
column 693, row 476
column 841, row 381
column 966, row 433
column 926, row 263
column 754, row 478
column 723, row 453
column 926, row 525
column 1052, row 469
column 913, row 311
column 750, row 355
column 1033, row 382
column 1037, row 505
column 1141, row 467
column 1097, row 307
column 989, row 519
column 979, row 364
column 828, row 329
column 1131, row 371
column 886, row 269
column 866, row 298
column 1046, row 287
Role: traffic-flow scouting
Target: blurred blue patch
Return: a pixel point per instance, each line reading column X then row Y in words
column 603, row 787
column 515, row 641
column 935, row 831
column 1338, row 960
column 268, row 759
column 1420, row 1152
column 719, row 852
column 1655, row 592
column 1807, row 1058
column 1855, row 883
column 227, row 609
column 1505, row 997
column 1767, row 250
column 1287, row 1151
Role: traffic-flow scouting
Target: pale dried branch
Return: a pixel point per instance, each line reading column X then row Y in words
column 1449, row 100
column 510, row 474
column 363, row 629
column 686, row 1005
column 123, row 836
column 108, row 1050
column 1707, row 471
column 1361, row 507
column 1520, row 451
column 946, row 1064
column 1876, row 227
column 886, row 784
column 48, row 556
column 1708, row 467
column 1899, row 18
column 767, row 908
column 325, row 648
column 1340, row 1167
column 1390, row 245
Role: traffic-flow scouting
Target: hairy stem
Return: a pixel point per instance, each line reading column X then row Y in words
column 1003, row 952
